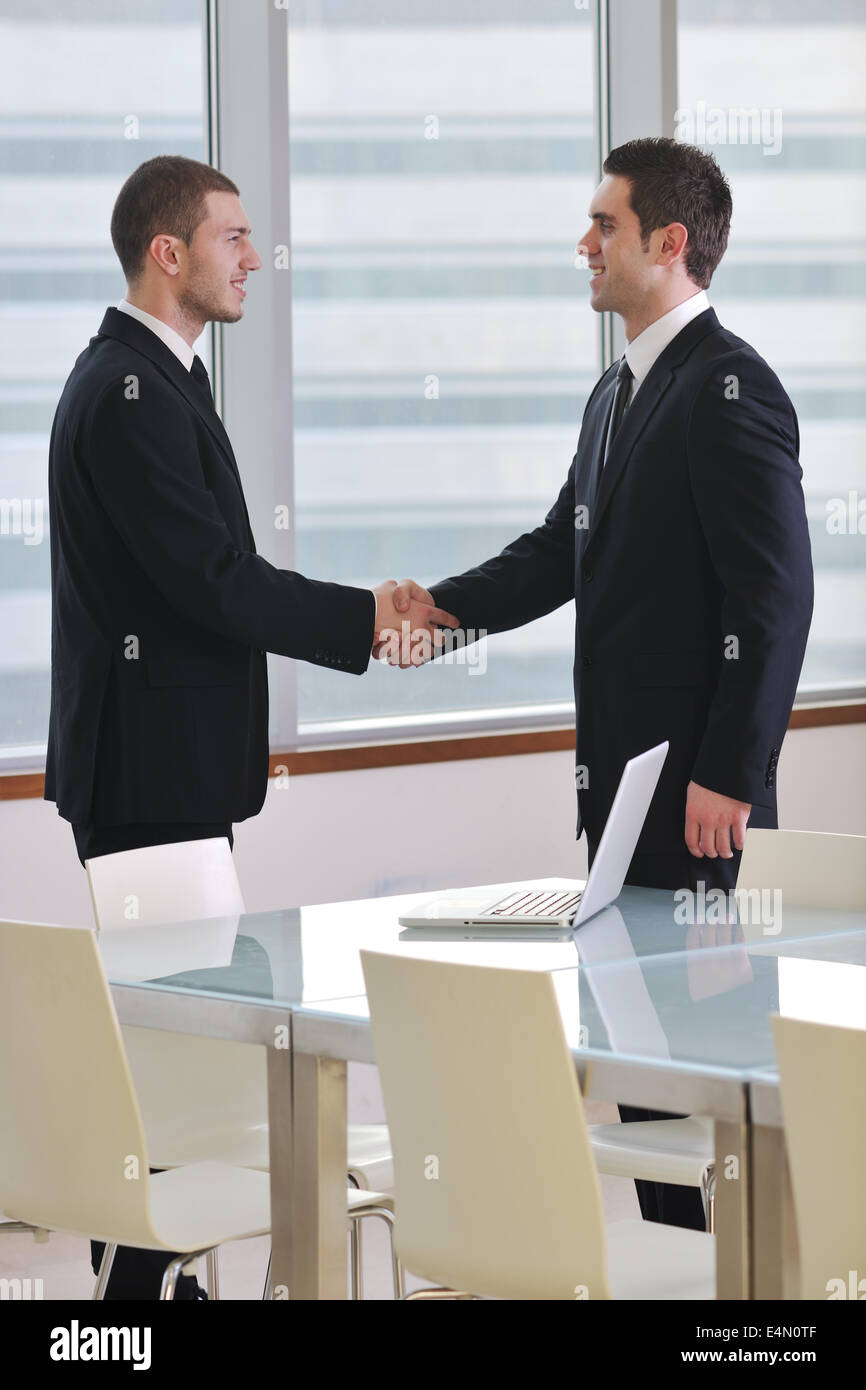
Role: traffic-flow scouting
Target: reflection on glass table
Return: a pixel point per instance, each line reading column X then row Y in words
column 310, row 954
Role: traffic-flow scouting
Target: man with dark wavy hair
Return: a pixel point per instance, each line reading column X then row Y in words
column 680, row 533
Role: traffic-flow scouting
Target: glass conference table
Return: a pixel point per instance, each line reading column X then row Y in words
column 663, row 1006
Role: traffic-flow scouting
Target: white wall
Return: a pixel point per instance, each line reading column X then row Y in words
column 334, row 836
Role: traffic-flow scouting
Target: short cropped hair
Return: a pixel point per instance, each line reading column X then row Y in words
column 165, row 194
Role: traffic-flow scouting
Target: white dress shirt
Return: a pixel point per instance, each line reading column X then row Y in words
column 642, row 351
column 179, row 346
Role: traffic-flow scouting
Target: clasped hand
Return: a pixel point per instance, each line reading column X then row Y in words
column 408, row 629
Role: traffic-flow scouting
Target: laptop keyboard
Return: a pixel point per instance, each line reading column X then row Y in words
column 535, row 904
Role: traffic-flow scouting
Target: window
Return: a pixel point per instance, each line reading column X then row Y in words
column 89, row 91
column 775, row 92
column 442, row 160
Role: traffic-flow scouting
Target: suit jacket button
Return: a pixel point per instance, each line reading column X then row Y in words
column 587, row 576
column 586, row 662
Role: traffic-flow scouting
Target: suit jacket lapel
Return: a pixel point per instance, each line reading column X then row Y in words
column 642, row 407
column 589, row 445
column 128, row 330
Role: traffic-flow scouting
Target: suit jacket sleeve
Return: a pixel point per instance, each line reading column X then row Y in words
column 530, row 577
column 743, row 445
column 144, row 466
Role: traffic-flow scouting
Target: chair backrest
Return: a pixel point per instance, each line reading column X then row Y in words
column 811, row 868
column 72, row 1146
column 495, row 1185
column 821, row 1070
column 164, row 883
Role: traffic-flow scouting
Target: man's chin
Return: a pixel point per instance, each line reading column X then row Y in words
column 599, row 299
column 225, row 315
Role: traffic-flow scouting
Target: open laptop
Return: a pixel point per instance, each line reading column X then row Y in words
column 560, row 904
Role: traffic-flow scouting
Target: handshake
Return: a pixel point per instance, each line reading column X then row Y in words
column 409, row 627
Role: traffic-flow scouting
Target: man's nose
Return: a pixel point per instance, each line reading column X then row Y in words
column 251, row 260
column 588, row 244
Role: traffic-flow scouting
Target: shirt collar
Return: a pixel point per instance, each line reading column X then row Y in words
column 178, row 345
column 643, row 350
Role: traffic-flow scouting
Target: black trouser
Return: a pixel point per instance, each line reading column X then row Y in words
column 670, row 1203
column 137, row 1274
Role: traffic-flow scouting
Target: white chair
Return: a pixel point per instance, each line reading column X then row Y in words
column 821, row 1070
column 810, row 868
column 73, row 1148
column 202, row 1099
column 497, row 1193
column 73, row 1154
column 680, row 1152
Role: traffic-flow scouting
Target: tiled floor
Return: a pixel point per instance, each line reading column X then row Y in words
column 63, row 1263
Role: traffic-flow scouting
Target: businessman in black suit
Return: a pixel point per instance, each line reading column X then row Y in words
column 681, row 534
column 162, row 611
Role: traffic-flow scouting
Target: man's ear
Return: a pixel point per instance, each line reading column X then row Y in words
column 163, row 249
column 673, row 244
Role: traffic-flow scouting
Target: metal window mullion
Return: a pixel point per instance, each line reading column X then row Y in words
column 601, row 103
column 639, row 38
column 252, row 125
column 210, row 106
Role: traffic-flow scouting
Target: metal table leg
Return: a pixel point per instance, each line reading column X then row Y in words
column 733, row 1208
column 319, row 1177
column 281, row 1280
column 775, row 1257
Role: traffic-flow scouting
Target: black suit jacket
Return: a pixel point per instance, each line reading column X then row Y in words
column 692, row 581
column 161, row 609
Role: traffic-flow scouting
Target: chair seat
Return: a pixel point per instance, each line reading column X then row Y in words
column 358, row 1200
column 646, row 1260
column 674, row 1151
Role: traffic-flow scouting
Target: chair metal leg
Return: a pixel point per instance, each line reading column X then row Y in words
column 267, row 1292
column 356, row 1285
column 709, row 1189
column 213, row 1277
column 356, row 1282
column 107, row 1261
column 396, row 1268
column 175, row 1269
column 708, row 1192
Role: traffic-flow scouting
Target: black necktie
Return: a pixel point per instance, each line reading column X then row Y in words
column 198, row 372
column 621, row 396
